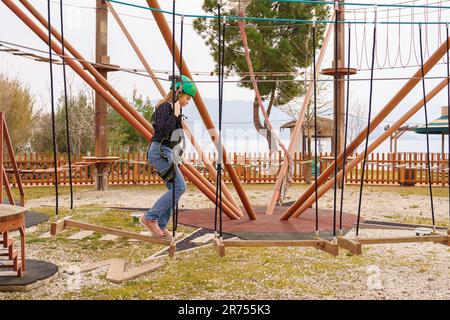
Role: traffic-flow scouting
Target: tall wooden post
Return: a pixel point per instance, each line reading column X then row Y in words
column 340, row 87
column 101, row 107
column 1, row 156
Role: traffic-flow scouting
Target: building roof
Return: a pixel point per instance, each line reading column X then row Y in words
column 438, row 126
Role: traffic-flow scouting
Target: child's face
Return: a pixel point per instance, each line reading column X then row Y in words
column 184, row 100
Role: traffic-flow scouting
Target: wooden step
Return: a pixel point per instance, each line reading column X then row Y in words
column 9, row 243
column 14, row 255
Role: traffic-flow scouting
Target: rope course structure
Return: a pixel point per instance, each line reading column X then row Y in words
column 371, row 18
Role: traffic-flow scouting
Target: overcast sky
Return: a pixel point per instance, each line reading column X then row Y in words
column 80, row 31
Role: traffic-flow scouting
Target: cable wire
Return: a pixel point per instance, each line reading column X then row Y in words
column 52, row 98
column 66, row 104
column 426, row 127
column 363, row 169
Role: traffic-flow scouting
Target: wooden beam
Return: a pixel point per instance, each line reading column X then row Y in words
column 101, row 106
column 117, row 232
column 15, row 167
column 350, row 245
column 272, row 243
column 58, row 226
column 219, row 247
column 116, row 271
column 329, row 247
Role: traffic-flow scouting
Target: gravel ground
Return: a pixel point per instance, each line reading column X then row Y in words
column 407, row 271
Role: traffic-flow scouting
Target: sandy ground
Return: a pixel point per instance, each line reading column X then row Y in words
column 407, row 271
column 375, row 205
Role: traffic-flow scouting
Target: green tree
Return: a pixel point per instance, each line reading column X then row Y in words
column 282, row 47
column 81, row 125
column 124, row 136
column 16, row 103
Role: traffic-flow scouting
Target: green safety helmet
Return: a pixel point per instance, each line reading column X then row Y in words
column 187, row 86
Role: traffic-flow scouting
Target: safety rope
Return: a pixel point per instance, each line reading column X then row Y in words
column 414, row 41
column 363, row 169
column 66, row 104
column 174, row 90
column 336, row 114
column 448, row 115
column 52, row 98
column 426, row 127
column 341, row 215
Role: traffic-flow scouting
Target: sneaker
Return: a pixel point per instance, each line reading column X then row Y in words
column 152, row 226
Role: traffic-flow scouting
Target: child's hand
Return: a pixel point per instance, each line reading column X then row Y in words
column 177, row 109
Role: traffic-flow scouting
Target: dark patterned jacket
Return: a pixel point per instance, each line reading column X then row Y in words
column 165, row 123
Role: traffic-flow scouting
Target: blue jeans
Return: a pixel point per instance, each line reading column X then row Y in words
column 162, row 209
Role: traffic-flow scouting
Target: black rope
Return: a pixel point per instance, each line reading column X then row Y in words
column 177, row 211
column 315, row 128
column 174, row 90
column 363, row 169
column 218, row 214
column 336, row 116
column 448, row 114
column 220, row 125
column 219, row 78
column 341, row 215
column 55, row 149
column 66, row 104
column 426, row 125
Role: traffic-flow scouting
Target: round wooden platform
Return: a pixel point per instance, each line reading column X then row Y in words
column 341, row 71
column 38, row 273
column 9, row 212
column 270, row 227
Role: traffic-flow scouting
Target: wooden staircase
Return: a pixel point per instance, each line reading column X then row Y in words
column 12, row 217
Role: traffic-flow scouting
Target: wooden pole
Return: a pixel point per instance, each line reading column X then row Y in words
column 163, row 93
column 398, row 97
column 201, row 106
column 101, row 107
column 373, row 145
column 296, row 132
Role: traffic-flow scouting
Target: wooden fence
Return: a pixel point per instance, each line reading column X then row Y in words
column 132, row 168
